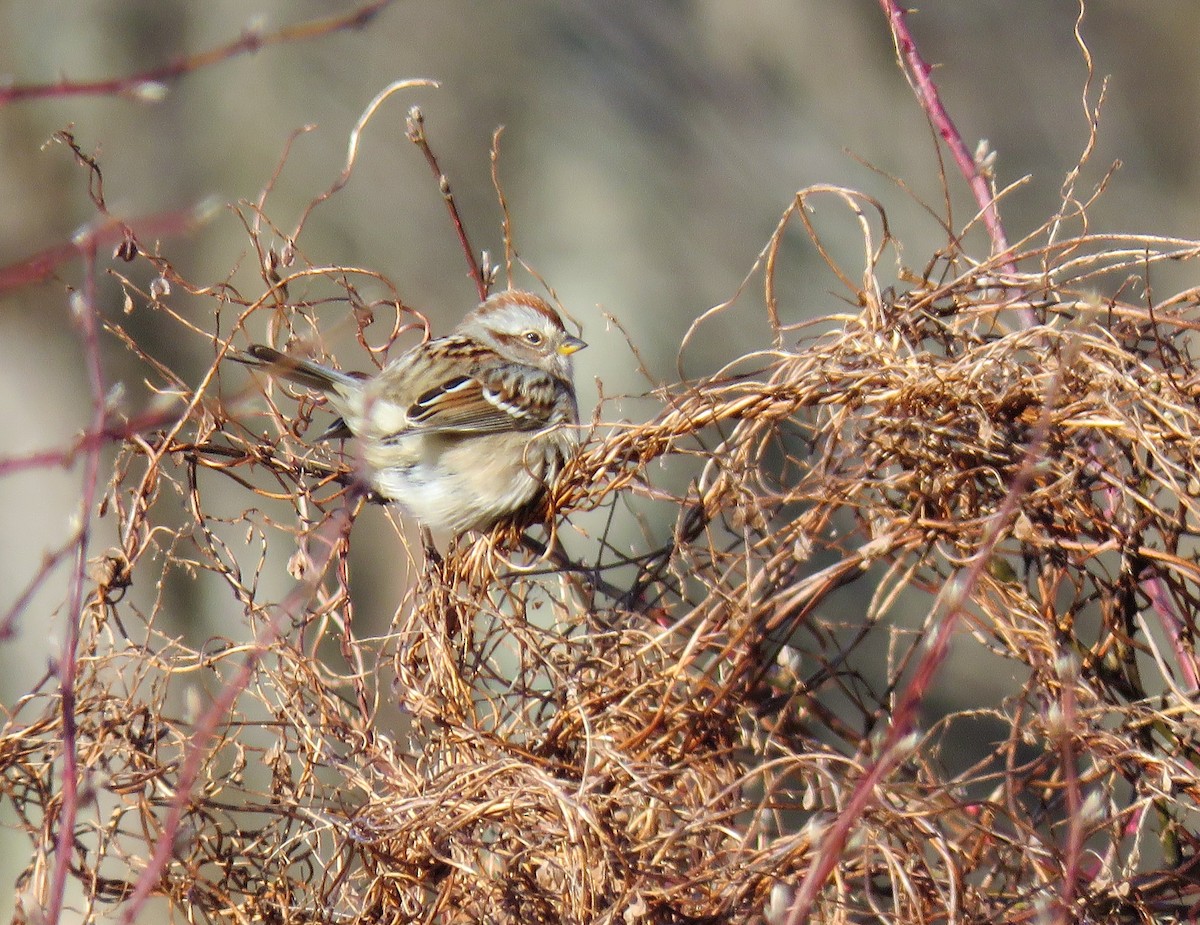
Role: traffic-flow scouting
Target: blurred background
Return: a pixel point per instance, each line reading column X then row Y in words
column 649, row 151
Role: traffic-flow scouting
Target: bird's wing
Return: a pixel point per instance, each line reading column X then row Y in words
column 490, row 400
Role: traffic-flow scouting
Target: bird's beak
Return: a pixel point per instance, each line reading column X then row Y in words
column 571, row 345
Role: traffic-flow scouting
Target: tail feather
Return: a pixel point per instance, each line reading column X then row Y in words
column 304, row 372
column 338, row 430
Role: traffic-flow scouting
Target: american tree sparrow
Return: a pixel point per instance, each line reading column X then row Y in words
column 465, row 429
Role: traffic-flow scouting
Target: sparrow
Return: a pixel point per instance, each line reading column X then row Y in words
column 462, row 430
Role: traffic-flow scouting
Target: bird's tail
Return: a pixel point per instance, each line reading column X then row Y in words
column 304, row 372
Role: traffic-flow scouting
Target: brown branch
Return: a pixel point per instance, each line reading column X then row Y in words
column 417, row 135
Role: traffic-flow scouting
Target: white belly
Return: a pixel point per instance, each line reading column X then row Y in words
column 460, row 485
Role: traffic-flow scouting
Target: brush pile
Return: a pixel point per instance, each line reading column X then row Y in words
column 684, row 734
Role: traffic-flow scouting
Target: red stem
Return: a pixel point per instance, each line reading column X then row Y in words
column 931, row 101
column 333, row 533
column 110, row 232
column 84, row 310
column 249, row 41
column 955, row 596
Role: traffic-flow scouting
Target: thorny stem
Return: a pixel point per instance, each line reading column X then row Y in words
column 1075, row 825
column 926, row 90
column 121, row 235
column 333, row 534
column 83, row 307
column 1171, row 624
column 955, row 595
column 50, row 562
column 89, row 441
column 143, row 85
column 416, row 134
column 931, row 101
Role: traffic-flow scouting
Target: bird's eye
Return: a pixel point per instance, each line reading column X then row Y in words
column 533, row 338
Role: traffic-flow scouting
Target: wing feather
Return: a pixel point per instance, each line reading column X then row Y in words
column 491, row 400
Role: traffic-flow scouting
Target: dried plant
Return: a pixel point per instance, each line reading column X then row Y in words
column 696, row 728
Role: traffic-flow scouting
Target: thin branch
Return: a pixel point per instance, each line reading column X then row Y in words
column 148, row 86
column 352, row 147
column 955, row 596
column 417, row 135
column 83, row 306
column 123, row 236
column 927, row 93
column 333, row 535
